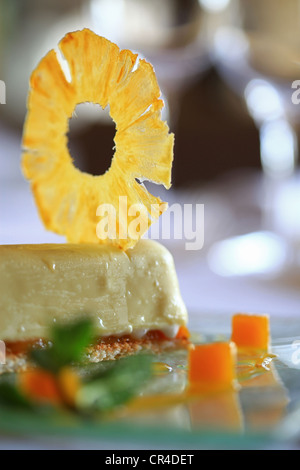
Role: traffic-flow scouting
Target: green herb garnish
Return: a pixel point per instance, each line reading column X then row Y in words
column 57, row 378
column 116, row 385
column 68, row 346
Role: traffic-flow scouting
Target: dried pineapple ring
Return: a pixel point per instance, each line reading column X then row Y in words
column 67, row 198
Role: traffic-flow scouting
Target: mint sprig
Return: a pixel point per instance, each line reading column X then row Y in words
column 68, row 345
column 111, row 385
column 116, row 385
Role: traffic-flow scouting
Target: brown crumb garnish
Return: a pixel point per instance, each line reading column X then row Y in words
column 124, row 346
column 107, row 348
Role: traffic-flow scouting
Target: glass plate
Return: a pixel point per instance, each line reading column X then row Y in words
column 263, row 413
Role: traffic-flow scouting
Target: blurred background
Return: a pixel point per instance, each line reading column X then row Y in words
column 228, row 71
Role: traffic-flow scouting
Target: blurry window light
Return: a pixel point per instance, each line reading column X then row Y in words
column 253, row 253
column 278, row 148
column 130, row 22
column 230, row 44
column 287, row 209
column 108, row 17
column 214, row 5
column 263, row 100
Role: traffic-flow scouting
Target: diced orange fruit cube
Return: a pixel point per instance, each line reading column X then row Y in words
column 212, row 367
column 251, row 331
column 40, row 385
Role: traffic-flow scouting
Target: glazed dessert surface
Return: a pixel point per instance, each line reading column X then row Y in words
column 124, row 293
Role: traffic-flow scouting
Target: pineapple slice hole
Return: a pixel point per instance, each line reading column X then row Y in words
column 91, row 138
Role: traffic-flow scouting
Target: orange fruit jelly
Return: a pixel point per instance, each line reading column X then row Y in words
column 251, row 331
column 212, row 367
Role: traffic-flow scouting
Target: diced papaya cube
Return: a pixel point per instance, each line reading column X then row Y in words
column 40, row 385
column 251, row 331
column 212, row 366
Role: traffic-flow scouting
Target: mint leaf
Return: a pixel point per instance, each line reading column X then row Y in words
column 46, row 359
column 116, row 385
column 69, row 342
